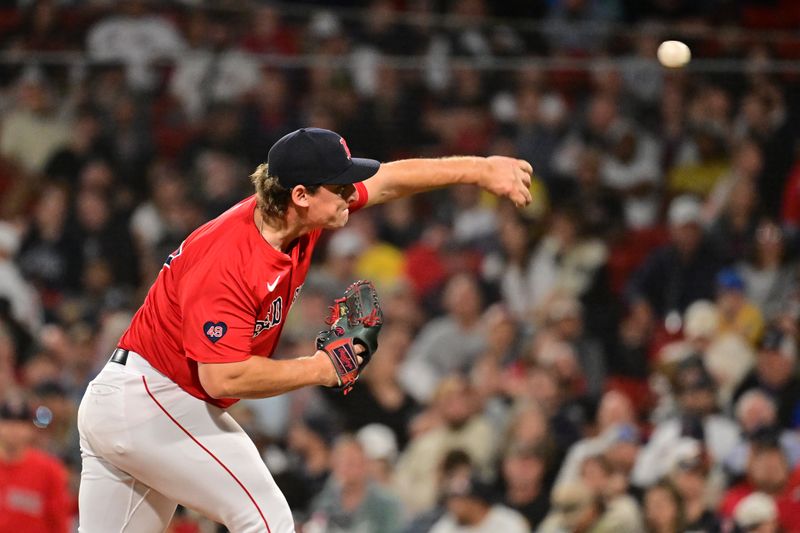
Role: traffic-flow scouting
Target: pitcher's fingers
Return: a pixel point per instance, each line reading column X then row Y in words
column 528, row 197
column 526, row 179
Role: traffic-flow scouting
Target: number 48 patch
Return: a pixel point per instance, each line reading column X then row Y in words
column 215, row 330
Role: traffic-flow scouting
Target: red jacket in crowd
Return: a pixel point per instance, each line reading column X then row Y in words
column 34, row 497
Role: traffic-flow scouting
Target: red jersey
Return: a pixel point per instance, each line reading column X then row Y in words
column 33, row 495
column 788, row 504
column 221, row 297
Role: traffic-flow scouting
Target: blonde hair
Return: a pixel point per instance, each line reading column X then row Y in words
column 273, row 198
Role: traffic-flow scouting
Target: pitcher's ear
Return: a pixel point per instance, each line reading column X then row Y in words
column 300, row 195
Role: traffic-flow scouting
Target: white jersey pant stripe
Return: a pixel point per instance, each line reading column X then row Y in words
column 260, row 513
column 147, row 446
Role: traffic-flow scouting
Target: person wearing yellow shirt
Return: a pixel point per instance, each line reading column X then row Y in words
column 737, row 313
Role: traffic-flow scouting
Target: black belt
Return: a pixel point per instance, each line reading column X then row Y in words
column 119, row 356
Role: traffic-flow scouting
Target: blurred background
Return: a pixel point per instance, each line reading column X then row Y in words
column 620, row 356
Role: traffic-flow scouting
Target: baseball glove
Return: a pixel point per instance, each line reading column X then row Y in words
column 356, row 319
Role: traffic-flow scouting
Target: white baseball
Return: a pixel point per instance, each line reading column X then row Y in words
column 673, row 54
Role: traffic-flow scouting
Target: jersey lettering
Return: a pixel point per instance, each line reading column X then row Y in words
column 297, row 293
column 273, row 318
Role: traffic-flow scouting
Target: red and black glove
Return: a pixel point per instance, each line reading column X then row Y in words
column 356, row 319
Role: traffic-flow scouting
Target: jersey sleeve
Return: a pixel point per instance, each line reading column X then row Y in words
column 218, row 316
column 361, row 200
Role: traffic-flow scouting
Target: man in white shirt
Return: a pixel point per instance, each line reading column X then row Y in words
column 470, row 510
column 137, row 39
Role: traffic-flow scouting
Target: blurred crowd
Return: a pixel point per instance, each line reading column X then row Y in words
column 620, row 356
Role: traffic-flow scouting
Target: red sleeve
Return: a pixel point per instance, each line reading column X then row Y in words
column 58, row 513
column 732, row 497
column 363, row 197
column 218, row 314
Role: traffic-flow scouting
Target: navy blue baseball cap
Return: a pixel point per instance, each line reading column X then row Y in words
column 314, row 156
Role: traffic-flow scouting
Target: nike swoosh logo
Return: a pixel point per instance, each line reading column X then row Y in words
column 271, row 286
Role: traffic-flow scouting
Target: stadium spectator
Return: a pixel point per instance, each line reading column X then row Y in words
column 767, row 472
column 104, row 239
column 447, row 344
column 689, row 474
column 85, row 144
column 49, row 255
column 268, row 34
column 380, row 447
column 609, row 482
column 702, row 160
column 524, row 475
column 747, row 164
column 24, row 300
column 213, row 70
column 758, row 418
column 460, row 425
column 679, row 273
column 774, row 373
column 269, row 112
column 769, row 278
column 663, row 508
column 733, row 231
column 615, row 423
column 594, row 132
column 539, row 123
column 737, row 314
column 33, row 130
column 456, row 464
column 602, row 206
column 632, row 170
column 349, row 501
column 33, row 485
column 566, row 262
column 696, row 417
column 564, row 320
column 135, row 37
column 470, row 509
column 575, row 508
column 763, row 117
column 380, row 399
column 309, row 447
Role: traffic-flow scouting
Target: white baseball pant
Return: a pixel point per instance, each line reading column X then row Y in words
column 147, row 446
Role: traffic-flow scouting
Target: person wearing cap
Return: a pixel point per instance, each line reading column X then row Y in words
column 34, row 495
column 737, row 314
column 679, row 272
column 471, row 509
column 775, row 374
column 696, row 417
column 153, row 424
column 756, row 513
column 767, row 472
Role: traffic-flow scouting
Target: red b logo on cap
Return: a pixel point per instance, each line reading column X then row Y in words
column 344, row 145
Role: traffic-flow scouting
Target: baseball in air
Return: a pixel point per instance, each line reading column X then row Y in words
column 673, row 54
